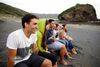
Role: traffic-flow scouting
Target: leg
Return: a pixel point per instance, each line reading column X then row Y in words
column 38, row 61
column 67, row 53
column 46, row 63
column 49, row 56
column 62, row 48
column 21, row 65
column 55, row 65
column 62, row 53
column 71, row 47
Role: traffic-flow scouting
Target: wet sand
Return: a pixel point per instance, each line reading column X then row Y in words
column 86, row 40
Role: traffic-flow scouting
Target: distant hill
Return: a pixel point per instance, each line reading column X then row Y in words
column 53, row 16
column 9, row 10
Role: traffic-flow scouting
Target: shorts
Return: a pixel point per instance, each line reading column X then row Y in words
column 67, row 43
column 55, row 45
column 49, row 56
column 33, row 61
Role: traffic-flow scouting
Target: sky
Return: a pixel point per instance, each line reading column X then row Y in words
column 50, row 6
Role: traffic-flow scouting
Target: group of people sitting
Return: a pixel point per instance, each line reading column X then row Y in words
column 54, row 38
column 33, row 45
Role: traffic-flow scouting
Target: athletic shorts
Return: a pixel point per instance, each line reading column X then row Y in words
column 49, row 56
column 33, row 61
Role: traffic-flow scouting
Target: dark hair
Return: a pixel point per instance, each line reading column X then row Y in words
column 27, row 18
column 44, row 38
column 50, row 20
column 57, row 25
column 64, row 27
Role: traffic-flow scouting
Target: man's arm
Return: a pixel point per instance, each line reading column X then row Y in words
column 11, row 56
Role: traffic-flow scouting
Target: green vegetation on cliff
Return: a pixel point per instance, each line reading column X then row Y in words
column 79, row 12
column 9, row 10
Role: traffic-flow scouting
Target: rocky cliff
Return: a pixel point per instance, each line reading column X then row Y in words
column 79, row 13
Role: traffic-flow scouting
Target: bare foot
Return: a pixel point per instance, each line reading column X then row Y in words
column 74, row 51
column 63, row 62
column 69, row 53
column 68, row 56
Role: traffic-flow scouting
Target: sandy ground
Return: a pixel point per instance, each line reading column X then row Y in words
column 86, row 40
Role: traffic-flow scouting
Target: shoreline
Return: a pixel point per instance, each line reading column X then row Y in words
column 9, row 18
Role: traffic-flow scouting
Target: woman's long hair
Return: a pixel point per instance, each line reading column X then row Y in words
column 44, row 37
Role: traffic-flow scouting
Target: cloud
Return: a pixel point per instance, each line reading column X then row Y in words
column 50, row 6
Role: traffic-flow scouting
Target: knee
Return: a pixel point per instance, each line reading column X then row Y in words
column 63, row 47
column 46, row 63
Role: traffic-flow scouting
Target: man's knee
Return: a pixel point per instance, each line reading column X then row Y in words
column 46, row 63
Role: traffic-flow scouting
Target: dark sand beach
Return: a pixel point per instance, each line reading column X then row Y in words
column 86, row 40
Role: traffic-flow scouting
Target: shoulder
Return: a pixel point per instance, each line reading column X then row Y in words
column 14, row 34
column 12, row 40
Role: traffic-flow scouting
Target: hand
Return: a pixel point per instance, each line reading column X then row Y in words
column 52, row 37
column 35, row 49
column 48, row 51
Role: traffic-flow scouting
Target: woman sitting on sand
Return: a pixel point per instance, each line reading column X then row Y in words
column 43, row 50
column 66, row 39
